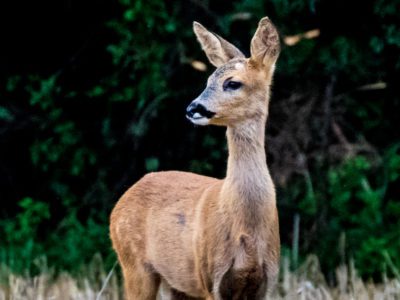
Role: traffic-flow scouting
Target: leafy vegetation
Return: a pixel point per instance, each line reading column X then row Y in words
column 88, row 107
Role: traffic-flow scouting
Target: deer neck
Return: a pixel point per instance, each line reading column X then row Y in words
column 248, row 188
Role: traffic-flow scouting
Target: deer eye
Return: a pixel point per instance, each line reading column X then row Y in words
column 231, row 85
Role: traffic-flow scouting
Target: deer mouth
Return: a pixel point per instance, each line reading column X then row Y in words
column 198, row 114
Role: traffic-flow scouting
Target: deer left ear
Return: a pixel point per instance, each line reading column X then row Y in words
column 218, row 50
column 265, row 45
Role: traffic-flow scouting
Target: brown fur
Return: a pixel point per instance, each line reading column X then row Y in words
column 201, row 237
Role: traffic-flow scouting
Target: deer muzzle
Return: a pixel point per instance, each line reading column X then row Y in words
column 198, row 114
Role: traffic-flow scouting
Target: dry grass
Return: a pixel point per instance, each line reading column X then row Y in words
column 306, row 283
column 309, row 283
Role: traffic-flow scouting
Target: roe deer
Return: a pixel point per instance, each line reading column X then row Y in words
column 200, row 237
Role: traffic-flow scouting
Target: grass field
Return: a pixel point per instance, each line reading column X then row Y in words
column 95, row 283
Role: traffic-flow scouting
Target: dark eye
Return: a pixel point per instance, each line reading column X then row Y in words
column 231, row 85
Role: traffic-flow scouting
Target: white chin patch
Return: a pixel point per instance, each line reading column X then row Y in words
column 197, row 116
column 199, row 120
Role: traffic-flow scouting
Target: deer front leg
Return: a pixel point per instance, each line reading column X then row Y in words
column 140, row 283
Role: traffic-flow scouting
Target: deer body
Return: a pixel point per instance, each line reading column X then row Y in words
column 198, row 236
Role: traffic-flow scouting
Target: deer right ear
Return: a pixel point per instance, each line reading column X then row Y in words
column 265, row 45
column 218, row 50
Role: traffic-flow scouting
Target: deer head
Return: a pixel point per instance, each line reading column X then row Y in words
column 238, row 90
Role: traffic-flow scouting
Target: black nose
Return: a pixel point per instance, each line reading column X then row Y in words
column 191, row 109
column 200, row 109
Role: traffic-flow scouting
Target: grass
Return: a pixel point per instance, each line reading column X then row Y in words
column 95, row 284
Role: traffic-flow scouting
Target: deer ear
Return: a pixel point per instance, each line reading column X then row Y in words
column 265, row 45
column 218, row 50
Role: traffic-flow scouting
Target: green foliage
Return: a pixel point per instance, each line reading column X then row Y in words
column 21, row 246
column 152, row 164
column 354, row 201
column 79, row 242
column 24, row 248
column 357, row 207
column 5, row 114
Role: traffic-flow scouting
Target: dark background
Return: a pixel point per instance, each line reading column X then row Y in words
column 93, row 96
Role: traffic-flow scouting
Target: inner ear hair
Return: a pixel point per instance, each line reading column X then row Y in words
column 218, row 50
column 265, row 45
